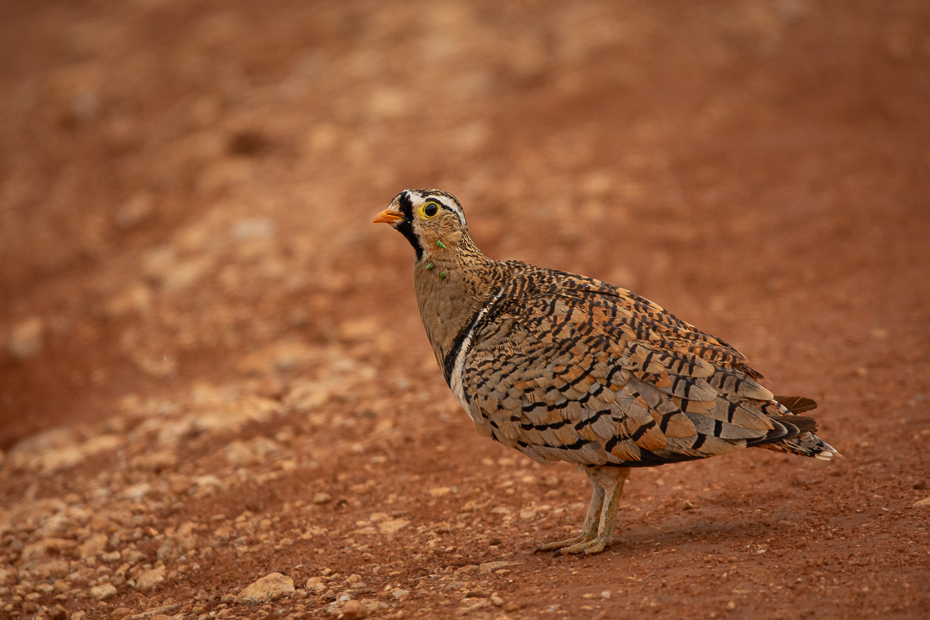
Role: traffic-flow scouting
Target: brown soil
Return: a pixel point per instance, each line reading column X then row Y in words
column 212, row 364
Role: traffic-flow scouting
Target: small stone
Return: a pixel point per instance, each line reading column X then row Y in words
column 119, row 612
column 26, row 340
column 392, row 526
column 225, row 532
column 151, row 578
column 373, row 605
column 353, row 610
column 57, row 613
column 137, row 491
column 137, row 298
column 103, row 592
column 136, row 210
column 731, row 606
column 490, row 567
column 924, row 503
column 110, row 557
column 57, row 569
column 155, row 462
column 268, row 588
column 400, row 594
column 497, row 600
column 81, row 576
column 92, row 546
column 322, row 498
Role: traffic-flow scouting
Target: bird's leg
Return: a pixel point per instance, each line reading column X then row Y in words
column 590, row 527
column 611, row 480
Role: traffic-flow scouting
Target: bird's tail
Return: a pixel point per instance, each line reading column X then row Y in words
column 804, row 442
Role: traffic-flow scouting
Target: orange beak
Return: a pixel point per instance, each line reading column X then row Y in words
column 387, row 217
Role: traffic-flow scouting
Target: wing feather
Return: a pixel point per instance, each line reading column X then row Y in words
column 587, row 373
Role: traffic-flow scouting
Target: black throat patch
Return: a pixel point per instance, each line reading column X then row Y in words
column 406, row 225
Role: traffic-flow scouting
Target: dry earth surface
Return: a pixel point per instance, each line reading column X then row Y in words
column 216, row 399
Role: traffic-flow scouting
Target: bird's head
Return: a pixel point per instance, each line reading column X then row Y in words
column 428, row 218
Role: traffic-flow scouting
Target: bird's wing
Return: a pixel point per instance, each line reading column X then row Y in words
column 568, row 368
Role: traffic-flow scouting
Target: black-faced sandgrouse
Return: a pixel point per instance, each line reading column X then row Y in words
column 567, row 368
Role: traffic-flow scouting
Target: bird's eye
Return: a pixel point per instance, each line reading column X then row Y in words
column 429, row 209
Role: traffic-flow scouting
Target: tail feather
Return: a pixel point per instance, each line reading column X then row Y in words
column 805, row 444
column 799, row 437
column 797, row 404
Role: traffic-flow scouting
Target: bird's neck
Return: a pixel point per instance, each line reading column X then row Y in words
column 453, row 281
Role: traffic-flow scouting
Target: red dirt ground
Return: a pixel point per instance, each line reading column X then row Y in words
column 213, row 368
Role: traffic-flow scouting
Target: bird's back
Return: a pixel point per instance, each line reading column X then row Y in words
column 564, row 367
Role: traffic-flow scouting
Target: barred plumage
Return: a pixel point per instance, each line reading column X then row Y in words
column 564, row 367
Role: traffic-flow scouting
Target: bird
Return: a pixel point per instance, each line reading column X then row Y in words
column 563, row 367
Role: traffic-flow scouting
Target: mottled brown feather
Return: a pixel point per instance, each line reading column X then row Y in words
column 565, row 367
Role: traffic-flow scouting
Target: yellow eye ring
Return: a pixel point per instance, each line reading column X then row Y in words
column 430, row 209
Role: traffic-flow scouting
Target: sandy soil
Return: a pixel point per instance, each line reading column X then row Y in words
column 213, row 369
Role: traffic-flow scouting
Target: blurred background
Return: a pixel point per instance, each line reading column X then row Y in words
column 186, row 186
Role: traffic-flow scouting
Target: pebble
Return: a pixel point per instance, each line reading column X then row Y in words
column 92, row 546
column 490, row 567
column 103, row 592
column 393, row 526
column 58, row 613
column 352, row 610
column 400, row 594
column 135, row 210
column 268, row 588
column 322, row 498
column 151, row 578
column 26, row 339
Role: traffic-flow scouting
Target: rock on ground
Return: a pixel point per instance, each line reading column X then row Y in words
column 268, row 588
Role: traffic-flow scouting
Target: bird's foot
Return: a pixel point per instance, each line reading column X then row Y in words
column 587, row 547
column 561, row 545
